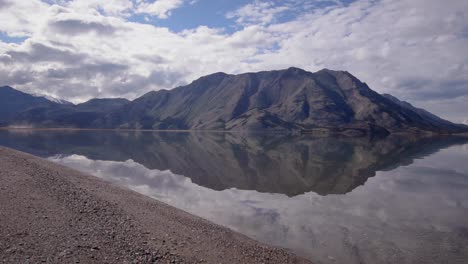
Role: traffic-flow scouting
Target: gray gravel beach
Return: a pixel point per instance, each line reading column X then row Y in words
column 53, row 214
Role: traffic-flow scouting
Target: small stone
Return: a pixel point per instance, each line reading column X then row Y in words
column 10, row 250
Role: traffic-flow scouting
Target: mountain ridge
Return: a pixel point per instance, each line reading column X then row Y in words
column 324, row 102
column 53, row 99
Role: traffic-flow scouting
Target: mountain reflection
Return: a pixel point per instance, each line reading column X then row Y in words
column 413, row 205
column 406, row 214
column 271, row 163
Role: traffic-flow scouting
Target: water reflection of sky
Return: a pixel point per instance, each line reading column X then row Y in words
column 411, row 214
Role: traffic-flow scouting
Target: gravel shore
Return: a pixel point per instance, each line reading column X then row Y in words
column 53, row 214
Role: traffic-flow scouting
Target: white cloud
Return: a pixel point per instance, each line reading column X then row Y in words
column 22, row 18
column 413, row 49
column 110, row 8
column 267, row 12
column 159, row 8
column 257, row 12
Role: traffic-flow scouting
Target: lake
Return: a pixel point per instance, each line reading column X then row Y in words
column 333, row 200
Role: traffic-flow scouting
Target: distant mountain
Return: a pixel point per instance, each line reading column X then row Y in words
column 13, row 102
column 325, row 102
column 66, row 115
column 103, row 105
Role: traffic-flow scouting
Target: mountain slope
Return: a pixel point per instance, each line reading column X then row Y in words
column 429, row 117
column 13, row 102
column 293, row 99
column 102, row 105
column 65, row 115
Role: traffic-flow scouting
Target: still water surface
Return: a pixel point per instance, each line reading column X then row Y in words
column 394, row 200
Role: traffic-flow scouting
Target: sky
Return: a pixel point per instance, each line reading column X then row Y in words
column 416, row 50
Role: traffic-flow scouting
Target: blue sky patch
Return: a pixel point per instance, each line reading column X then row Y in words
column 9, row 39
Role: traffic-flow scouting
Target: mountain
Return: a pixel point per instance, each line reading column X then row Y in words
column 66, row 115
column 293, row 99
column 325, row 102
column 13, row 102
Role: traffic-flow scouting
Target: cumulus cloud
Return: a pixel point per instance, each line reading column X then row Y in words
column 37, row 52
column 257, row 12
column 267, row 12
column 22, row 18
column 4, row 3
column 76, row 26
column 159, row 8
column 112, row 8
column 413, row 49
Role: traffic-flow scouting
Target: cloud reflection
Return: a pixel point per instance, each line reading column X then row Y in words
column 411, row 214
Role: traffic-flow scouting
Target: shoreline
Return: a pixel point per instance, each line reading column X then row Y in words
column 56, row 214
column 303, row 132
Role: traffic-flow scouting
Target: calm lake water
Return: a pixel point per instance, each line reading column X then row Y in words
column 332, row 200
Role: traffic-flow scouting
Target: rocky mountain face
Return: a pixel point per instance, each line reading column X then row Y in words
column 325, row 102
column 293, row 99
